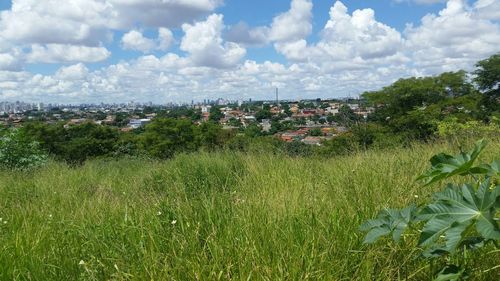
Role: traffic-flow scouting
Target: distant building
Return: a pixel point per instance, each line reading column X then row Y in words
column 137, row 123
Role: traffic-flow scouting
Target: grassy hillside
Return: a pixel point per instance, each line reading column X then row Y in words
column 217, row 216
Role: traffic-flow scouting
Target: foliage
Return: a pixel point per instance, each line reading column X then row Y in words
column 203, row 216
column 452, row 128
column 346, row 116
column 488, row 80
column 74, row 143
column 459, row 217
column 164, row 137
column 315, row 132
column 215, row 114
column 20, row 153
column 413, row 107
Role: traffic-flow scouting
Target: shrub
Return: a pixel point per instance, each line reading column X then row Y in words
column 19, row 153
column 459, row 218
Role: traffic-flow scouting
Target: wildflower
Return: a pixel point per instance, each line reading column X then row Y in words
column 81, row 262
column 416, row 196
column 174, row 222
column 159, row 213
column 50, row 216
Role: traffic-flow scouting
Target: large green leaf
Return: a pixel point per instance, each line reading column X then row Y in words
column 445, row 166
column 450, row 273
column 388, row 221
column 455, row 210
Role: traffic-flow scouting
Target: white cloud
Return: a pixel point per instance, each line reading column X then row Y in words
column 346, row 38
column 164, row 13
column 294, row 24
column 73, row 72
column 134, row 40
column 60, row 22
column 91, row 23
column 205, row 46
column 488, row 9
column 55, row 53
column 243, row 34
column 455, row 38
column 165, row 38
column 354, row 52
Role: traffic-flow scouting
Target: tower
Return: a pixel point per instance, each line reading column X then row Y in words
column 277, row 97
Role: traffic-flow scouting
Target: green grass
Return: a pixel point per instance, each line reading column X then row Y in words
column 237, row 217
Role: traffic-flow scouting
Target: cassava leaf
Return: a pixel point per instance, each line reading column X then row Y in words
column 445, row 166
column 388, row 221
column 456, row 209
column 450, row 273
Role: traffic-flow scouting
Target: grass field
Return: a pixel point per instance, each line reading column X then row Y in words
column 217, row 216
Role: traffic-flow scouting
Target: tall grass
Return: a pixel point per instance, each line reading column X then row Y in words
column 216, row 216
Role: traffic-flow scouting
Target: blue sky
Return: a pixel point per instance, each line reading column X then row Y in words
column 178, row 50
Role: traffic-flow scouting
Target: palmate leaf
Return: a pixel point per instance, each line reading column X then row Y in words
column 445, row 166
column 491, row 170
column 450, row 273
column 455, row 210
column 388, row 221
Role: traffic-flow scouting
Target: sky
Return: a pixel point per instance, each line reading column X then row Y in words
column 93, row 51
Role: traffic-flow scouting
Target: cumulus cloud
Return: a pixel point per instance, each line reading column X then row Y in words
column 488, row 9
column 55, row 53
column 73, row 72
column 91, row 23
column 165, row 38
column 243, row 34
column 354, row 51
column 134, row 40
column 455, row 38
column 58, row 22
column 290, row 26
column 294, row 24
column 154, row 13
column 205, row 45
column 346, row 37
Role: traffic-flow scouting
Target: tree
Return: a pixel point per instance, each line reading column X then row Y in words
column 488, row 74
column 212, row 135
column 234, row 122
column 263, row 114
column 20, row 153
column 215, row 114
column 164, row 137
column 253, row 130
column 346, row 116
column 316, row 132
column 488, row 81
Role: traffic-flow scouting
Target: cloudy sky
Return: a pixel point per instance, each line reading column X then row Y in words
column 72, row 51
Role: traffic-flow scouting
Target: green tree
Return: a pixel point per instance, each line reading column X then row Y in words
column 263, row 114
column 316, row 132
column 164, row 137
column 20, row 153
column 253, row 130
column 488, row 81
column 215, row 114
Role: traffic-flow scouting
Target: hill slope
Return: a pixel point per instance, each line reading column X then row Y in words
column 215, row 216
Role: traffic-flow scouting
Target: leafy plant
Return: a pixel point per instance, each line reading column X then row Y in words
column 17, row 152
column 459, row 217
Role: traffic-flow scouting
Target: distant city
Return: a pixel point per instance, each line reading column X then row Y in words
column 309, row 121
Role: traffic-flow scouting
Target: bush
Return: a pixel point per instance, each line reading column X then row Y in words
column 19, row 153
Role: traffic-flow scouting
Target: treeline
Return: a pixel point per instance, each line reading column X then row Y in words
column 413, row 109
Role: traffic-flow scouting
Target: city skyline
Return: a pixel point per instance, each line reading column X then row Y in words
column 93, row 51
